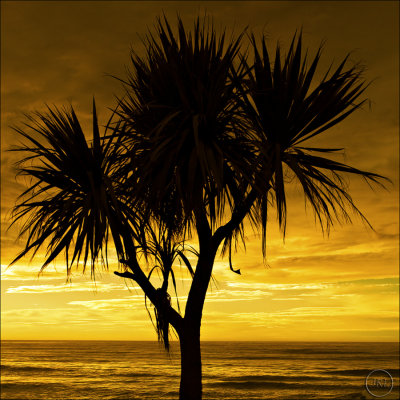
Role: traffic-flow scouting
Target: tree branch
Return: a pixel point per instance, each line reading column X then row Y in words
column 203, row 227
column 208, row 248
column 149, row 290
column 238, row 214
column 125, row 274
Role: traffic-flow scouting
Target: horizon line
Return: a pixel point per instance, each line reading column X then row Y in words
column 203, row 341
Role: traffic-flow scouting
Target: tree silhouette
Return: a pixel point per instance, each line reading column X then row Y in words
column 200, row 142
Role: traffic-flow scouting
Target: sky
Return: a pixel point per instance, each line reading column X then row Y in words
column 341, row 287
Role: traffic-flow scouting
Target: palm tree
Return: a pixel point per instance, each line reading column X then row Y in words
column 187, row 144
column 210, row 136
column 199, row 143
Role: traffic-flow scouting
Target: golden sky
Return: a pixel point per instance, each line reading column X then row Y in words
column 336, row 288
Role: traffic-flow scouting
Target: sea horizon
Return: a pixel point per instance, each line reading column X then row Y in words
column 205, row 340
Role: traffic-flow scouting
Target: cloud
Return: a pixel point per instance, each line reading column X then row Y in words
column 108, row 304
column 224, row 295
column 67, row 288
column 65, row 316
column 30, row 273
column 282, row 286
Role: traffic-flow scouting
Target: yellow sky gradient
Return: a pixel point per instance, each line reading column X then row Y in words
column 338, row 288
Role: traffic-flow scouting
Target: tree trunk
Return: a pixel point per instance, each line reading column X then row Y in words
column 189, row 332
column 190, row 386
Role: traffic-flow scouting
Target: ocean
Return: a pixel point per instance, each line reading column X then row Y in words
column 111, row 370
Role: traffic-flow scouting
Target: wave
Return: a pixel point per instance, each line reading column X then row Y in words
column 31, row 385
column 135, row 374
column 323, row 350
column 27, row 368
column 333, row 356
column 359, row 372
column 264, row 378
column 249, row 385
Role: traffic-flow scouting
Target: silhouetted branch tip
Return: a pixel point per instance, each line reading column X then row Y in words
column 125, row 274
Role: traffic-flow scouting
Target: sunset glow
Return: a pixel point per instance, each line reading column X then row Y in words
column 312, row 286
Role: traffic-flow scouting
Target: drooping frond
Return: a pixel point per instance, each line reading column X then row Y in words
column 323, row 185
column 162, row 248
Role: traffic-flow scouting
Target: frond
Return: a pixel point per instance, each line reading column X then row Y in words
column 186, row 128
column 324, row 187
column 74, row 202
column 286, row 108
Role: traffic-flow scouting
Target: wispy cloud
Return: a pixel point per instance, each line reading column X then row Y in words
column 76, row 287
column 281, row 286
column 107, row 304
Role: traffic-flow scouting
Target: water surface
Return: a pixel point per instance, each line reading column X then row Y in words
column 110, row 370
